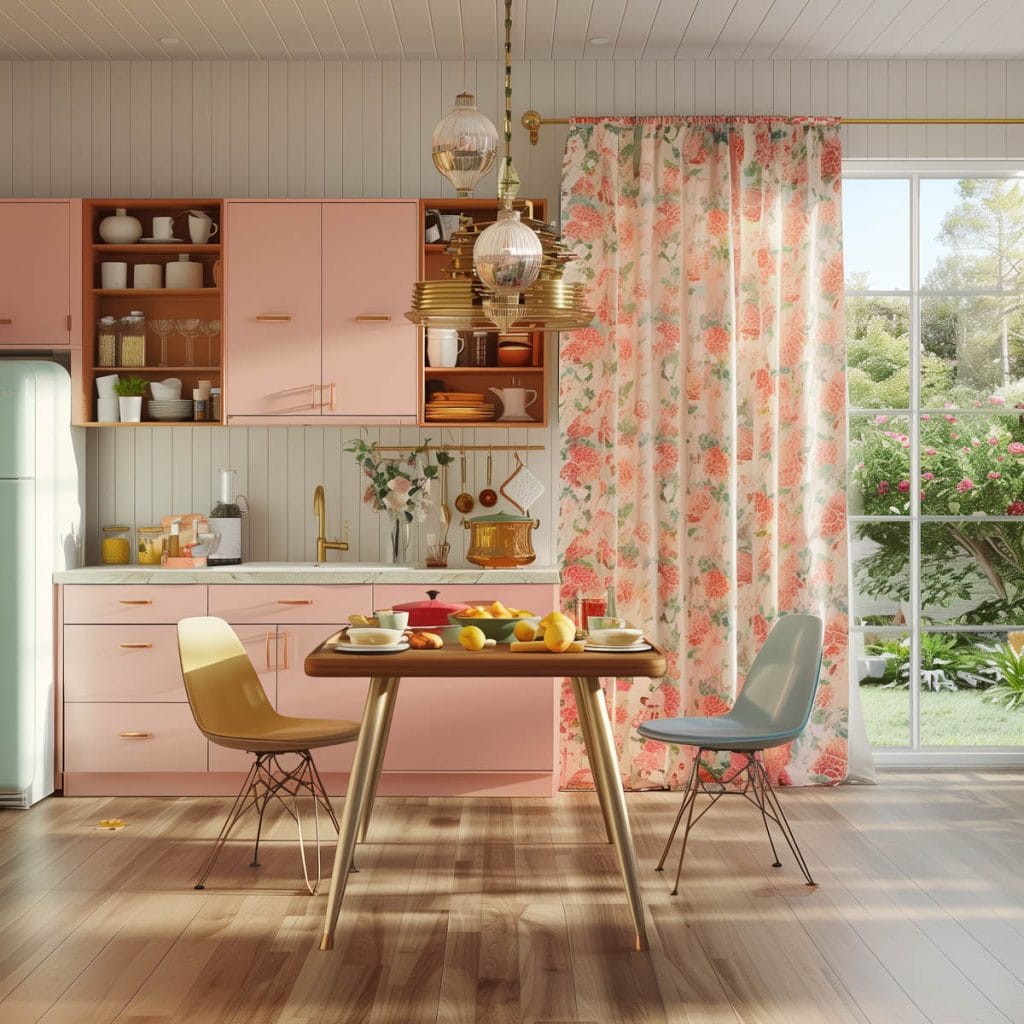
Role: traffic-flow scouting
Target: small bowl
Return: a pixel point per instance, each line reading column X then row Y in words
column 166, row 390
column 514, row 355
column 621, row 637
column 374, row 636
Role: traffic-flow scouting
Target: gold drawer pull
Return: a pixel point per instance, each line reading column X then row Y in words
column 295, row 601
column 273, row 318
column 6, row 320
column 331, row 393
column 135, row 735
column 144, row 600
column 136, row 646
column 373, row 318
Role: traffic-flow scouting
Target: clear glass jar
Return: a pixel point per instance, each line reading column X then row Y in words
column 133, row 339
column 151, row 544
column 106, row 341
column 116, row 545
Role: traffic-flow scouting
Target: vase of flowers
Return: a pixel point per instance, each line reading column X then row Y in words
column 398, row 485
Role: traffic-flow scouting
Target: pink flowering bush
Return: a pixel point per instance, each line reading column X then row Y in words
column 970, row 465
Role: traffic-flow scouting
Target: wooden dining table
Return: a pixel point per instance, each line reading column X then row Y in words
column 585, row 670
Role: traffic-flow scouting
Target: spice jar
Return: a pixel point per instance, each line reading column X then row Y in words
column 115, row 547
column 151, row 544
column 106, row 341
column 133, row 339
column 214, row 409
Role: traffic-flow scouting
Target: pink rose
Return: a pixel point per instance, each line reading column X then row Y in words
column 1015, row 448
column 965, row 485
column 1015, row 508
column 927, row 476
column 904, row 486
column 400, row 485
column 883, row 487
column 994, row 475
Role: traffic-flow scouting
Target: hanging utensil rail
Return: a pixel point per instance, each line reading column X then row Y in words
column 461, row 447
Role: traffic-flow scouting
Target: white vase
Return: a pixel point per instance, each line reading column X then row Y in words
column 130, row 407
column 120, row 229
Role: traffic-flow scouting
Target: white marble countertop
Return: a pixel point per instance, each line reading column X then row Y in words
column 305, row 572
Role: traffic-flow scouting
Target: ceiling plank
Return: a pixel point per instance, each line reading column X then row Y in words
column 199, row 39
column 808, row 21
column 874, row 22
column 569, row 37
column 635, row 29
column 355, row 36
column 293, row 29
column 668, row 28
column 415, row 30
column 122, row 35
column 154, row 24
column 385, row 39
column 259, row 29
column 37, row 39
column 483, row 29
column 774, row 28
column 832, row 31
column 905, row 26
column 323, row 28
column 73, row 30
column 739, row 29
column 976, row 37
column 539, row 31
column 935, row 31
column 707, row 22
column 605, row 21
column 446, row 26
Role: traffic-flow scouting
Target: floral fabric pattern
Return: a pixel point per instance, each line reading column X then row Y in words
column 703, row 417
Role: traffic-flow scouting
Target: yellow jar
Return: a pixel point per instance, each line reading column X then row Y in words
column 115, row 547
column 151, row 544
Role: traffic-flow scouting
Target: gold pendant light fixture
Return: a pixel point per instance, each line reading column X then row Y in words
column 508, row 273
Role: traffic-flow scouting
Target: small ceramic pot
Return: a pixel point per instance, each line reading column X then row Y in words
column 120, row 229
column 130, row 407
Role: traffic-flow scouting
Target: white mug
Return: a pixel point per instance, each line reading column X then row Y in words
column 163, row 227
column 114, row 275
column 200, row 227
column 444, row 350
column 148, row 275
column 105, row 385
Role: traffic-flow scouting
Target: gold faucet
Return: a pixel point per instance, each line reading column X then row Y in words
column 323, row 545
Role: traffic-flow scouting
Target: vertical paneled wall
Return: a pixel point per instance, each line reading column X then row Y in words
column 309, row 128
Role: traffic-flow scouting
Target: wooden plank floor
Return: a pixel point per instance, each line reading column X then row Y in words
column 508, row 911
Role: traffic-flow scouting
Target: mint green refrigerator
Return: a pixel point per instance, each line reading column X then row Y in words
column 40, row 534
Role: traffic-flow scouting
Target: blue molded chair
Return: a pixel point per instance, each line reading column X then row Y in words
column 772, row 708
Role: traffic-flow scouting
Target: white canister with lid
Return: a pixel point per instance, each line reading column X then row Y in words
column 184, row 273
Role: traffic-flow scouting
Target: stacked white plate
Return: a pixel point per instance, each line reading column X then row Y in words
column 170, row 409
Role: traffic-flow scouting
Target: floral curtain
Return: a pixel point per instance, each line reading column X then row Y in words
column 703, row 416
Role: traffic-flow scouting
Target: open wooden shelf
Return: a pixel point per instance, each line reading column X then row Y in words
column 157, row 293
column 157, row 248
column 434, row 261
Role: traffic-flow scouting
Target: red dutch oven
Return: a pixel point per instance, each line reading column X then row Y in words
column 427, row 614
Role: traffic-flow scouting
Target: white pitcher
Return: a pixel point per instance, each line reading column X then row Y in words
column 514, row 402
column 200, row 227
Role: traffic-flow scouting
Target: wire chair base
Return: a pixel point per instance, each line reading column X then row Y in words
column 270, row 780
column 757, row 789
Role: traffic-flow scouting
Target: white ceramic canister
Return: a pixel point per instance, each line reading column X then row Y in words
column 184, row 273
column 120, row 229
column 148, row 275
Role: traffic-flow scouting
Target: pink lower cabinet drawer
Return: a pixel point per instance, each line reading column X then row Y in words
column 272, row 603
column 440, row 725
column 133, row 603
column 122, row 663
column 132, row 738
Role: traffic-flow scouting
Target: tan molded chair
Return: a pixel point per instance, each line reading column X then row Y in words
column 231, row 709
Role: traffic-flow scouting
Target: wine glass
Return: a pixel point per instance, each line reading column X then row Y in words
column 211, row 328
column 188, row 328
column 163, row 328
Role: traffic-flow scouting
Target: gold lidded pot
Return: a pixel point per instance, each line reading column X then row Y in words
column 501, row 540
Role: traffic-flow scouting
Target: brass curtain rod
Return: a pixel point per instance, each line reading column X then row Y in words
column 532, row 121
column 460, row 447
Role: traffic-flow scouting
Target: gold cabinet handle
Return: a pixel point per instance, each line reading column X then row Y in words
column 295, row 600
column 6, row 320
column 144, row 600
column 284, row 637
column 373, row 318
column 331, row 391
column 135, row 735
column 266, row 653
column 136, row 646
column 273, row 318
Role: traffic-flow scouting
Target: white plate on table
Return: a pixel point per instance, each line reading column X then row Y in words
column 161, row 241
column 344, row 648
column 620, row 649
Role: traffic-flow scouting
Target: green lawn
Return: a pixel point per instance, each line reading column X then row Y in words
column 948, row 718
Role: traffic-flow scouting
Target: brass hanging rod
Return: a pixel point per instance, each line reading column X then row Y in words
column 532, row 121
column 460, row 447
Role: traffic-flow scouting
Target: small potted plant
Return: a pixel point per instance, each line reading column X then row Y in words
column 129, row 398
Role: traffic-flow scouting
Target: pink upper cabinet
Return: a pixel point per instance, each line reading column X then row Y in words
column 369, row 348
column 35, row 271
column 272, row 310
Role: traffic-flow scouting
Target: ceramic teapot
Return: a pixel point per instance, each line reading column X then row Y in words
column 514, row 402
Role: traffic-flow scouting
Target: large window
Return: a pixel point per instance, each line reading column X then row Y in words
column 935, row 354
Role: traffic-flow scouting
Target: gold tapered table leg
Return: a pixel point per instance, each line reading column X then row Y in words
column 601, row 749
column 587, row 728
column 389, row 713
column 380, row 700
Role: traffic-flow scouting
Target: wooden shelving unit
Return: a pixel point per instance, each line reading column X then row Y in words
column 157, row 303
column 479, row 378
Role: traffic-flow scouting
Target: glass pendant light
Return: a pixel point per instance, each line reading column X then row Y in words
column 464, row 144
column 507, row 256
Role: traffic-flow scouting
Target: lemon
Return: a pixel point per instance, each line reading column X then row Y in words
column 524, row 630
column 559, row 634
column 472, row 638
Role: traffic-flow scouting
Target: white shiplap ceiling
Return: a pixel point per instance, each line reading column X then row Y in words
column 542, row 29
